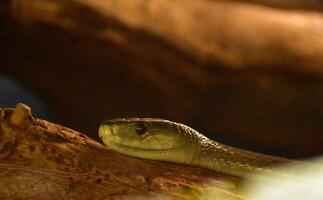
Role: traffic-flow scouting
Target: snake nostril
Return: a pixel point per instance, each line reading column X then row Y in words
column 141, row 129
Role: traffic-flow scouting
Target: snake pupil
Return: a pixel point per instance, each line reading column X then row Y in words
column 141, row 129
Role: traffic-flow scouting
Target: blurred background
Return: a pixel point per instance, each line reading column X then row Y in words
column 244, row 73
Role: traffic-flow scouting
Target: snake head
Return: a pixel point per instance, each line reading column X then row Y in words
column 149, row 138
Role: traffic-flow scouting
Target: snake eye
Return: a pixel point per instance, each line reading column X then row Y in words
column 141, row 129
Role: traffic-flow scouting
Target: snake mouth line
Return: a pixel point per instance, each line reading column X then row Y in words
column 123, row 146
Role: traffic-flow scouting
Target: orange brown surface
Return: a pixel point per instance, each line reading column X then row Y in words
column 42, row 160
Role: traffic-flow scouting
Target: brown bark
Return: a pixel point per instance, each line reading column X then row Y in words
column 42, row 160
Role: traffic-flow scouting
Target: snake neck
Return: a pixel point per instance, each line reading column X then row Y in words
column 233, row 161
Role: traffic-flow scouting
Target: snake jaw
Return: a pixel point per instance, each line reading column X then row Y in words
column 126, row 135
column 158, row 143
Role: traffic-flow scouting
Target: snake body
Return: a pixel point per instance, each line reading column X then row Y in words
column 158, row 139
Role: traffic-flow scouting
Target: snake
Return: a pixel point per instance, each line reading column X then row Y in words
column 164, row 140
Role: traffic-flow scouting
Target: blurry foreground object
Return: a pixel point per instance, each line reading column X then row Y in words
column 303, row 182
column 316, row 5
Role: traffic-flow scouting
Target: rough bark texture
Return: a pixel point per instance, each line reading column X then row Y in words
column 235, row 71
column 42, row 160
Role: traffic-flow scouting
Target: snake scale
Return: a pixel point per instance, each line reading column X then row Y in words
column 159, row 139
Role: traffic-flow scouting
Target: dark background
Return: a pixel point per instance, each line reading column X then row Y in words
column 77, row 80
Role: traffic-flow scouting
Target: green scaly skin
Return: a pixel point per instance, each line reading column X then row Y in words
column 158, row 139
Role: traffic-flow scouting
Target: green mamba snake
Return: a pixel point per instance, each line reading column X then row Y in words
column 164, row 140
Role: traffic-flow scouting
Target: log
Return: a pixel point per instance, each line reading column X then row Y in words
column 42, row 160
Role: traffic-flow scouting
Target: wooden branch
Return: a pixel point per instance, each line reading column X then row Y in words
column 42, row 160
